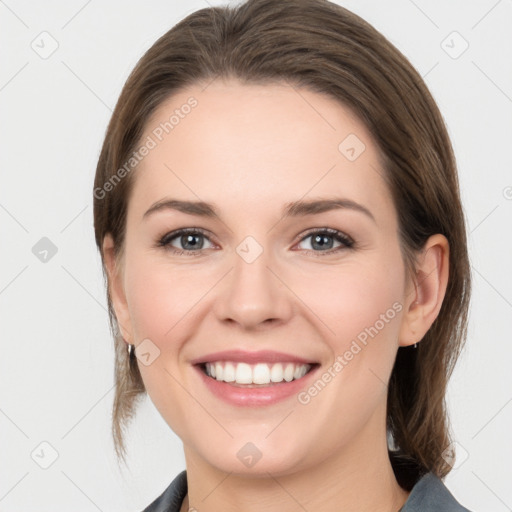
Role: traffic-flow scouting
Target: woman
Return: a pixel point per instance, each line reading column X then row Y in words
column 278, row 214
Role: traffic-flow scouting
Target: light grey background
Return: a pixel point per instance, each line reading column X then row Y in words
column 56, row 357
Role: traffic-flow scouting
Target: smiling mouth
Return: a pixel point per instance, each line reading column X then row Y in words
column 257, row 375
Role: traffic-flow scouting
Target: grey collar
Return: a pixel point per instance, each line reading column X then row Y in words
column 429, row 494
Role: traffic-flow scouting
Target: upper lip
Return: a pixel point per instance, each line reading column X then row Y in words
column 261, row 356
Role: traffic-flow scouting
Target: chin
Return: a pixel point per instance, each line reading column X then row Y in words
column 255, row 458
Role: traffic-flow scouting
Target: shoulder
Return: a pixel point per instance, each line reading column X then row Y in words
column 431, row 494
column 172, row 498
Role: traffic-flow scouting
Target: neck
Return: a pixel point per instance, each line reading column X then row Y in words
column 359, row 477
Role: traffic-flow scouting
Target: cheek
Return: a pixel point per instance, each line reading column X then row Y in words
column 161, row 305
column 355, row 302
column 359, row 311
column 159, row 298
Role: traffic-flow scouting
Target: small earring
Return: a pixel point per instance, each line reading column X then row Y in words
column 415, row 345
column 131, row 350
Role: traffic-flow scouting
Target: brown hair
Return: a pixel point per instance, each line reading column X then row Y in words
column 327, row 49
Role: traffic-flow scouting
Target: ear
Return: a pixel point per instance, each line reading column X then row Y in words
column 424, row 299
column 116, row 288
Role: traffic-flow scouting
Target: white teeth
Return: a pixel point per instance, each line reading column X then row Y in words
column 299, row 372
column 288, row 372
column 219, row 371
column 243, row 373
column 276, row 372
column 229, row 372
column 260, row 373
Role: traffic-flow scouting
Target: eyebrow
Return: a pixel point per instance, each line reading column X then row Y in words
column 294, row 209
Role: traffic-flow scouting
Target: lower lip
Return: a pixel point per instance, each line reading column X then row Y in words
column 264, row 395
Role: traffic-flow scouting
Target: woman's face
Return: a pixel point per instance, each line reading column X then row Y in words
column 291, row 263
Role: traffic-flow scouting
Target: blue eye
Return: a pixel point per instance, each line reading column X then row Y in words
column 189, row 240
column 324, row 240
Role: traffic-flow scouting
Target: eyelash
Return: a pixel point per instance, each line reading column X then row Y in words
column 347, row 242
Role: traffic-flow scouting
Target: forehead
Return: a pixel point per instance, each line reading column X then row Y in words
column 256, row 145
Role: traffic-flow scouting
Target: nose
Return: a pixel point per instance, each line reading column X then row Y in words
column 253, row 296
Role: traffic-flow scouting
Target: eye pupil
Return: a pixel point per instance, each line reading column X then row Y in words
column 190, row 242
column 322, row 241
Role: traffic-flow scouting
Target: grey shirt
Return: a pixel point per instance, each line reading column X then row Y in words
column 429, row 494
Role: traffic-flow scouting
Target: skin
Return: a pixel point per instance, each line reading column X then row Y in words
column 250, row 150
